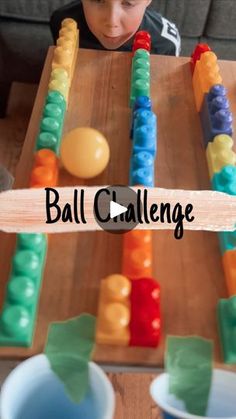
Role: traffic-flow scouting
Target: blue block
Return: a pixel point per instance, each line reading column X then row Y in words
column 142, row 169
column 216, row 117
column 225, row 180
column 145, row 139
column 217, row 90
column 141, row 103
column 227, row 240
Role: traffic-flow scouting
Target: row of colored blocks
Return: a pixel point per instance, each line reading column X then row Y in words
column 216, row 120
column 63, row 64
column 140, row 75
column 137, row 245
column 129, row 312
column 18, row 315
column 129, row 304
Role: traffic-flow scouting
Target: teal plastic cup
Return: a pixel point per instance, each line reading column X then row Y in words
column 33, row 391
column 222, row 399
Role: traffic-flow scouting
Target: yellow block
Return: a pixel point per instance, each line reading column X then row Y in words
column 219, row 153
column 59, row 81
column 206, row 74
column 114, row 311
column 65, row 53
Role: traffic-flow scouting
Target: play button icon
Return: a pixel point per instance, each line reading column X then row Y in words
column 115, row 209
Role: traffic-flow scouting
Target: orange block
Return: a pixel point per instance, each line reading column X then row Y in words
column 229, row 265
column 45, row 169
column 114, row 311
column 137, row 254
column 206, row 74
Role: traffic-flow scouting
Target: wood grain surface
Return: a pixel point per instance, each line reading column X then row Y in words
column 189, row 270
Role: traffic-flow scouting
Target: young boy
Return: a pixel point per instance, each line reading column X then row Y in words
column 112, row 24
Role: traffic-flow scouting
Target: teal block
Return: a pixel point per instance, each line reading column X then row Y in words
column 226, row 311
column 227, row 240
column 225, row 180
column 140, row 64
column 140, row 87
column 18, row 317
column 51, row 125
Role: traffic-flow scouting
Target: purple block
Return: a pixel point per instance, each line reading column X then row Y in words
column 215, row 115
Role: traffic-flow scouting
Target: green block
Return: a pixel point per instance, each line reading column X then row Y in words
column 226, row 311
column 225, row 180
column 141, row 63
column 52, row 122
column 17, row 320
column 141, row 53
column 56, row 97
column 140, row 87
column 47, row 140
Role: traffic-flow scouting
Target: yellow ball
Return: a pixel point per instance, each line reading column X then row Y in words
column 85, row 152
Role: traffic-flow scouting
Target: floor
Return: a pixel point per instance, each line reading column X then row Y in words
column 13, row 127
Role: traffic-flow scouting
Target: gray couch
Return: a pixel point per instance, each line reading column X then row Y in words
column 25, row 34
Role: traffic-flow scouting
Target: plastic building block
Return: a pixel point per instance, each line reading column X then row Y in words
column 142, row 169
column 137, row 254
column 219, row 153
column 52, row 121
column 141, row 102
column 140, row 75
column 144, row 148
column 140, row 87
column 229, row 265
column 143, row 35
column 141, row 44
column 145, row 323
column 145, row 132
column 196, row 55
column 225, row 180
column 206, row 74
column 217, row 90
column 142, row 40
column 45, row 170
column 19, row 310
column 65, row 53
column 114, row 311
column 227, row 240
column 227, row 328
column 216, row 117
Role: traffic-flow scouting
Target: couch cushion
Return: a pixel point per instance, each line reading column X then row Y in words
column 23, row 61
column 224, row 48
column 190, row 16
column 222, row 20
column 30, row 10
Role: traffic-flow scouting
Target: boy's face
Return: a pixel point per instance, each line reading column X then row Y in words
column 113, row 22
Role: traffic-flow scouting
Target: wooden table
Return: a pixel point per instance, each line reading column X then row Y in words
column 189, row 270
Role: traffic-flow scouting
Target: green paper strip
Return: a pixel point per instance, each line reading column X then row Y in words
column 189, row 364
column 68, row 349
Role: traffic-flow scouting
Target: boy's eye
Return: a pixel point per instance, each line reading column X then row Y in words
column 127, row 3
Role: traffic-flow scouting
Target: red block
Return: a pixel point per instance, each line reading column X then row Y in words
column 196, row 55
column 145, row 313
column 143, row 35
column 142, row 40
